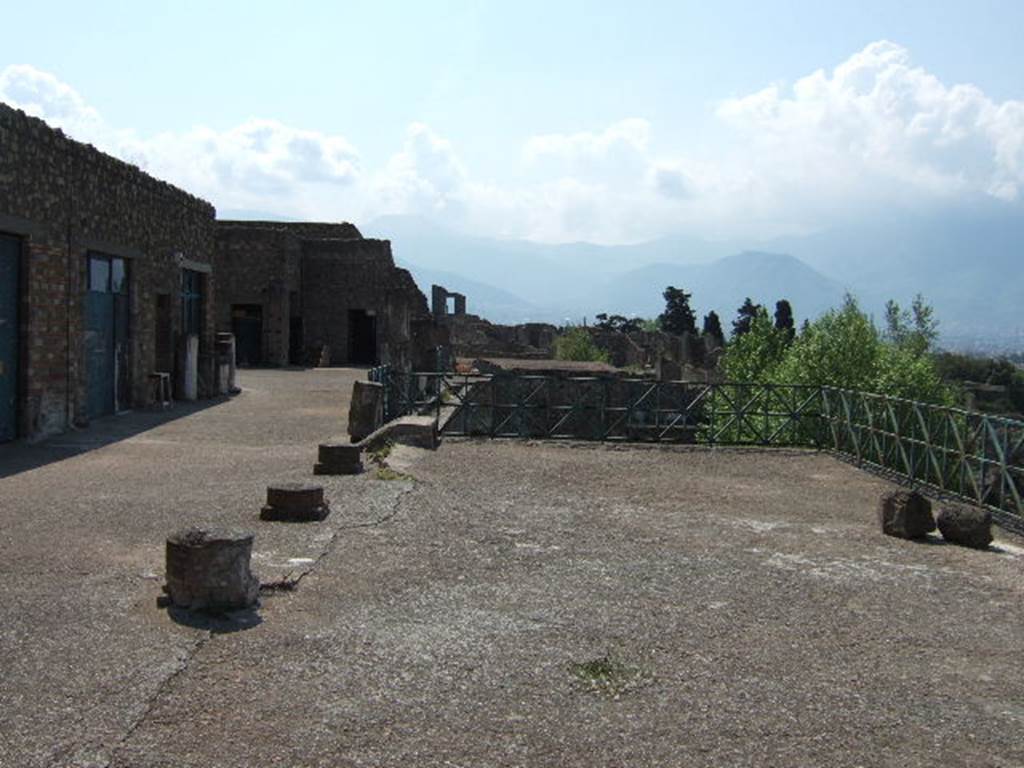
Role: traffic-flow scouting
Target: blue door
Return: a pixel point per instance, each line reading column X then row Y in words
column 106, row 335
column 10, row 258
column 99, row 352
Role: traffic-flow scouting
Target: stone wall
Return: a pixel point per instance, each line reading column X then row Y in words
column 259, row 264
column 343, row 275
column 65, row 199
column 472, row 336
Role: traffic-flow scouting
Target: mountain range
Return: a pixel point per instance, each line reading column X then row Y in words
column 967, row 264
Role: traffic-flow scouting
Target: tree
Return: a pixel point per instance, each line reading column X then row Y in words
column 745, row 317
column 753, row 356
column 784, row 319
column 842, row 348
column 576, row 343
column 619, row 323
column 677, row 318
column 916, row 330
column 713, row 328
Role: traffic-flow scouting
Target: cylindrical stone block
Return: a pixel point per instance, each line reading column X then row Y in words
column 209, row 570
column 295, row 502
column 337, row 458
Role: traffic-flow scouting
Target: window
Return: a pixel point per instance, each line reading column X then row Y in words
column 107, row 274
column 191, row 302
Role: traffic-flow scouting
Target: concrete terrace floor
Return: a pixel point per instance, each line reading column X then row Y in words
column 522, row 604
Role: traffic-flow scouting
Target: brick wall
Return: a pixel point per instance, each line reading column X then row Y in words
column 66, row 199
column 342, row 275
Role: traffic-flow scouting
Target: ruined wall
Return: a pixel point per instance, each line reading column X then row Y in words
column 343, row 275
column 472, row 336
column 65, row 199
column 257, row 264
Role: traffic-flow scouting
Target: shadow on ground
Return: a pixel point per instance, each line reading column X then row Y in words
column 22, row 456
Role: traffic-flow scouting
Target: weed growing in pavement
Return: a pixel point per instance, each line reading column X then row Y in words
column 387, row 473
column 380, row 454
column 609, row 677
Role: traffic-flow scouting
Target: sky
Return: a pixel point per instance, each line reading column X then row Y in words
column 552, row 121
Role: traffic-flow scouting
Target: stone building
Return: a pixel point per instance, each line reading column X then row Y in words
column 104, row 271
column 289, row 290
column 107, row 287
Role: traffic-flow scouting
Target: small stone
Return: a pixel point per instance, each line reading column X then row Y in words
column 209, row 570
column 295, row 503
column 966, row 526
column 338, row 458
column 905, row 514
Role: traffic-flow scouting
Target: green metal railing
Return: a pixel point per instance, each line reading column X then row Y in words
column 969, row 455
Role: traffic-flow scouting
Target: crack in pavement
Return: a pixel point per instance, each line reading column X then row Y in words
column 286, row 584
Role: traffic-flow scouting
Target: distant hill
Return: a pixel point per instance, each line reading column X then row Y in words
column 572, row 281
column 966, row 262
column 722, row 285
column 495, row 304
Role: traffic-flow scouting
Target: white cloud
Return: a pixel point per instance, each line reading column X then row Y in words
column 877, row 126
column 426, row 177
column 41, row 94
column 875, row 132
column 261, row 164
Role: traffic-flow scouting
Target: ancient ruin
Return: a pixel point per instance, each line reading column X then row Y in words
column 289, row 291
column 108, row 273
column 116, row 283
column 295, row 503
column 208, row 570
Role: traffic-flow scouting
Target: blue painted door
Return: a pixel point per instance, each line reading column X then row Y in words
column 99, row 352
column 10, row 258
column 106, row 335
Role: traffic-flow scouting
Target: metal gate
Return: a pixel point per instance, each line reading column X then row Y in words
column 10, row 257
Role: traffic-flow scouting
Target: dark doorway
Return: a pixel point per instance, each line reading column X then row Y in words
column 164, row 334
column 295, row 356
column 247, row 325
column 106, row 335
column 362, row 337
column 10, row 262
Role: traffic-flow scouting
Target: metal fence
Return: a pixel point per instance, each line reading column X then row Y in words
column 970, row 455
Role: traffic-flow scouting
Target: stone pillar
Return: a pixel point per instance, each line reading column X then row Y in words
column 338, row 458
column 438, row 301
column 460, row 304
column 187, row 381
column 295, row 503
column 208, row 570
column 226, row 346
column 365, row 410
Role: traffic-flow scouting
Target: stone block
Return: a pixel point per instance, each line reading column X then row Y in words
column 966, row 526
column 366, row 409
column 905, row 514
column 295, row 503
column 209, row 570
column 669, row 370
column 338, row 458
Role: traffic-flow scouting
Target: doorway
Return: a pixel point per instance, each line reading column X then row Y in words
column 247, row 325
column 10, row 263
column 106, row 335
column 362, row 337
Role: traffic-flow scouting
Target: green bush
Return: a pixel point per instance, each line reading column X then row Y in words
column 842, row 348
column 576, row 344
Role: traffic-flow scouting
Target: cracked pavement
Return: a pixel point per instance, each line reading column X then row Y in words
column 753, row 610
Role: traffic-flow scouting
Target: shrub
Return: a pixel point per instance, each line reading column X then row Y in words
column 576, row 344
